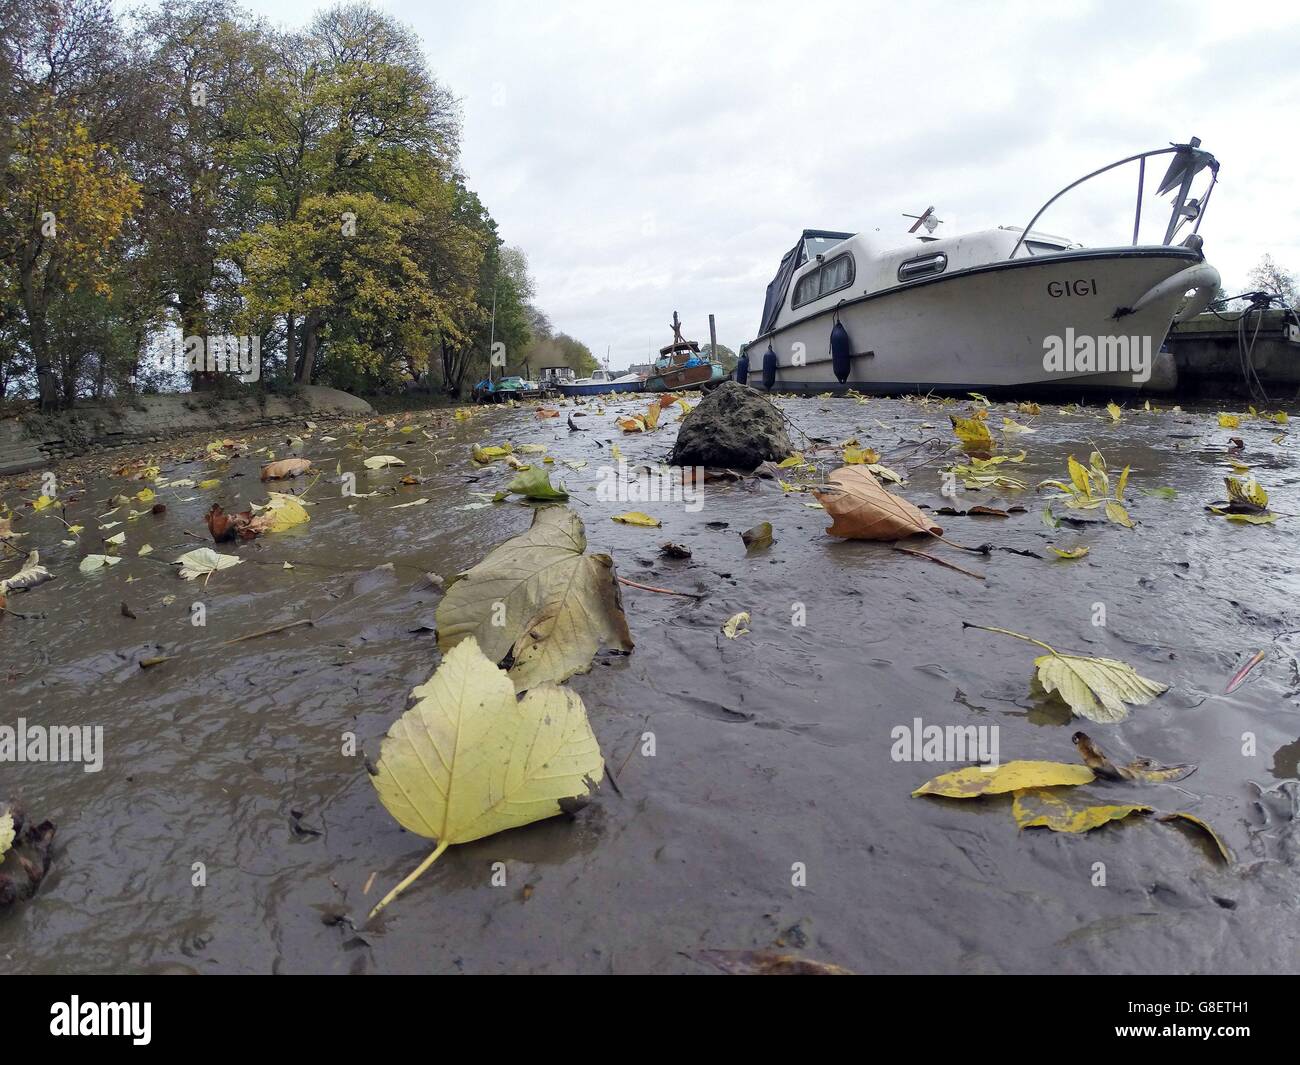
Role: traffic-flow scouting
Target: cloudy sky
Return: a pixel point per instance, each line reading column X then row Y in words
column 663, row 156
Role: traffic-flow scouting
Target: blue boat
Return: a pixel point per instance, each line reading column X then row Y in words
column 599, row 383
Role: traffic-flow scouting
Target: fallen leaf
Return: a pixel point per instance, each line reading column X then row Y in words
column 93, row 563
column 759, row 537
column 282, row 470
column 1221, row 848
column 671, row 550
column 1095, row 688
column 635, row 517
column 29, row 575
column 861, row 509
column 768, row 963
column 1041, row 808
column 1114, row 410
column 731, row 628
column 974, row 780
column 468, row 760
column 535, row 483
column 1073, row 552
column 1116, row 513
column 379, row 462
column 202, row 562
column 553, row 605
column 1240, row 675
column 974, row 436
column 1142, row 770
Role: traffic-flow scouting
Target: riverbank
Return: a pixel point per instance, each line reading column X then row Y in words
column 34, row 441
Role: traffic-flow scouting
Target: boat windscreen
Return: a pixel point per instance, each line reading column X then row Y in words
column 779, row 287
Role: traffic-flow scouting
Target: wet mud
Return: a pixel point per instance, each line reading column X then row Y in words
column 771, row 752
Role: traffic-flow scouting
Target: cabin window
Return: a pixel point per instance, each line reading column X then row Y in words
column 925, row 266
column 830, row 277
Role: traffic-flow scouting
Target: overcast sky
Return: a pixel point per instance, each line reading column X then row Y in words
column 663, row 156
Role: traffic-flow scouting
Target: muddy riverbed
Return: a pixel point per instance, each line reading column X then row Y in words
column 772, row 751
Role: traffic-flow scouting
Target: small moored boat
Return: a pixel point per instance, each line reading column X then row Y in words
column 599, row 383
column 681, row 367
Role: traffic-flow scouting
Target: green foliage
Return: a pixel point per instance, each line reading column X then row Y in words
column 215, row 175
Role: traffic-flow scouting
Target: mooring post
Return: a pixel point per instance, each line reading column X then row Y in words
column 713, row 341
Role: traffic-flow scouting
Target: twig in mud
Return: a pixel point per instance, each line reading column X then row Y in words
column 268, row 632
column 939, row 561
column 661, row 591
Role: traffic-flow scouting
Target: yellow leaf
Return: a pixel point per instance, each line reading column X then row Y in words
column 283, row 512
column 1115, row 412
column 1116, row 513
column 1229, row 421
column 974, row 435
column 1095, row 688
column 1248, row 491
column 145, row 495
column 976, row 780
column 1122, row 484
column 212, row 482
column 1073, row 552
column 734, row 625
column 1039, row 808
column 635, row 517
column 43, row 501
column 468, row 759
column 1079, row 478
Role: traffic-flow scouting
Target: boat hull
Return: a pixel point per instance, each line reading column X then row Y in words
column 996, row 328
column 599, row 388
column 686, row 378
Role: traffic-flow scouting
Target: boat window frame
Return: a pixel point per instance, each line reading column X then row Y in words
column 796, row 303
column 939, row 258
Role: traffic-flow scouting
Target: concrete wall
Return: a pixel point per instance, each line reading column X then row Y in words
column 32, row 442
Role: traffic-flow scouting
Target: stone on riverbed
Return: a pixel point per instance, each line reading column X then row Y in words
column 733, row 426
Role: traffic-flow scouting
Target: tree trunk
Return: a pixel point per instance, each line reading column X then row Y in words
column 34, row 305
column 310, row 342
column 291, row 347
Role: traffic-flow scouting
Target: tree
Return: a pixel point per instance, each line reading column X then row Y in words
column 68, row 90
column 1268, row 276
column 724, row 355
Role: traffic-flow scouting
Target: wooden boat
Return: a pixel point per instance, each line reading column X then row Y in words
column 680, row 366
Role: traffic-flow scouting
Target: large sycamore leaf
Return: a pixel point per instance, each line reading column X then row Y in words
column 1010, row 776
column 861, row 509
column 28, row 576
column 540, row 596
column 1095, row 688
column 1042, row 808
column 203, row 562
column 468, row 759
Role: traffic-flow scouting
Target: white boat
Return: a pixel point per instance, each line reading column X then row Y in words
column 1008, row 309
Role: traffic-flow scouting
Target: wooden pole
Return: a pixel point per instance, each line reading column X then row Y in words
column 713, row 341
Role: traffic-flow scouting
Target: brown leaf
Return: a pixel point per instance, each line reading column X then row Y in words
column 285, row 468
column 227, row 527
column 671, row 550
column 1143, row 770
column 768, row 963
column 862, row 510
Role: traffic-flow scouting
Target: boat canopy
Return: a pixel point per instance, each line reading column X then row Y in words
column 811, row 243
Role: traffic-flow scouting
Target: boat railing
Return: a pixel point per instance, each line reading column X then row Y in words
column 1189, row 160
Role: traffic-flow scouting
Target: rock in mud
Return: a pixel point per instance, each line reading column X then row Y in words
column 732, row 426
